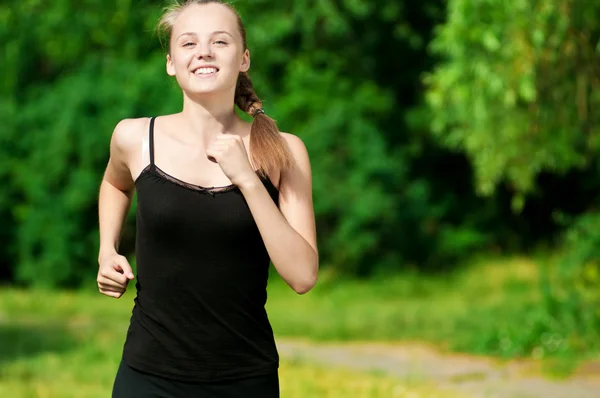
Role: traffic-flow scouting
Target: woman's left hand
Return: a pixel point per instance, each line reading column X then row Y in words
column 229, row 152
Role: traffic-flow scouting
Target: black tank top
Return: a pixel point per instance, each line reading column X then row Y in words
column 202, row 270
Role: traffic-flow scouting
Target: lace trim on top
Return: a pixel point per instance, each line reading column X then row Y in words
column 193, row 187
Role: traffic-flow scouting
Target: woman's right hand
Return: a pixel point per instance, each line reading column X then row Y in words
column 114, row 274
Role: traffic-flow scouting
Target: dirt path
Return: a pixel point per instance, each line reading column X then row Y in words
column 477, row 377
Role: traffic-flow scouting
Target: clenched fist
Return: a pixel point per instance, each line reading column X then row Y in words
column 114, row 274
column 229, row 152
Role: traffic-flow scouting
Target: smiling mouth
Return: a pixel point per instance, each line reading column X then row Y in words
column 205, row 71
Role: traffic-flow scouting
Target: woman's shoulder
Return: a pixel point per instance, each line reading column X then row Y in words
column 129, row 133
column 291, row 139
column 295, row 145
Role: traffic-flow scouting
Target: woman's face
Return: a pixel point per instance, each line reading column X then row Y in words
column 206, row 50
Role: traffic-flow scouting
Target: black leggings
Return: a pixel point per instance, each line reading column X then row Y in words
column 131, row 383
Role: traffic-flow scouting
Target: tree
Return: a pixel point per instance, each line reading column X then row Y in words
column 518, row 88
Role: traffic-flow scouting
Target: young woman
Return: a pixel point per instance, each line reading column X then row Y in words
column 218, row 200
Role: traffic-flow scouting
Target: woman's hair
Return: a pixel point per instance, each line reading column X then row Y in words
column 268, row 149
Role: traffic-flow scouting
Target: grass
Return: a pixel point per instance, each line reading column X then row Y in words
column 438, row 309
column 68, row 344
column 489, row 308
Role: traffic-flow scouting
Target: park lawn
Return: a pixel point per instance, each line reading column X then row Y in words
column 461, row 311
column 491, row 307
column 67, row 344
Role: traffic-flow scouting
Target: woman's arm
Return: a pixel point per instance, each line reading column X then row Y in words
column 289, row 233
column 116, row 192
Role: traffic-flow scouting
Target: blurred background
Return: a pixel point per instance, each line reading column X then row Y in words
column 454, row 147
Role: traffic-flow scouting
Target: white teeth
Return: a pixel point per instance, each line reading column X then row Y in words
column 205, row 71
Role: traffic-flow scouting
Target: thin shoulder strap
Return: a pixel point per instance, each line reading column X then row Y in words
column 151, row 140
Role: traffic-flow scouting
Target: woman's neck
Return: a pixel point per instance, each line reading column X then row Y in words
column 209, row 118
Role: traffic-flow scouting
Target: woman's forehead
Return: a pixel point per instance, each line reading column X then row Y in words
column 205, row 19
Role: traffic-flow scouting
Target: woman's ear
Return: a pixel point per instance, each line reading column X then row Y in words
column 170, row 66
column 245, row 61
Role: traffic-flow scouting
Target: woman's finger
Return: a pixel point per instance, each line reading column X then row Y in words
column 112, row 294
column 213, row 154
column 113, row 276
column 111, row 285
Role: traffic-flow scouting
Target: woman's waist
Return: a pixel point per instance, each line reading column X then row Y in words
column 202, row 334
column 197, row 310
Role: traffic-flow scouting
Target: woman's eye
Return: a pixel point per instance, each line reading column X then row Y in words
column 187, row 44
column 220, row 42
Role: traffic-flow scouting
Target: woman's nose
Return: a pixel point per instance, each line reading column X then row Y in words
column 204, row 51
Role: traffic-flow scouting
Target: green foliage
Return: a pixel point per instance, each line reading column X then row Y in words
column 566, row 319
column 72, row 79
column 345, row 76
column 70, row 86
column 333, row 85
column 59, row 172
column 572, row 296
column 517, row 88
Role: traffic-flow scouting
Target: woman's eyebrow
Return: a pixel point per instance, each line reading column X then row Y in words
column 187, row 34
column 222, row 31
column 212, row 34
